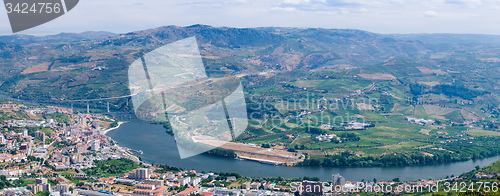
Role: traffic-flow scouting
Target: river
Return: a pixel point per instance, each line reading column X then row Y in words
column 159, row 147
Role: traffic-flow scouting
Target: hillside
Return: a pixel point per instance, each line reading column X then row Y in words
column 63, row 64
column 454, row 84
column 493, row 168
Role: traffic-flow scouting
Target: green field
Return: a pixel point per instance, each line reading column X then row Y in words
column 477, row 132
column 384, row 104
column 111, row 168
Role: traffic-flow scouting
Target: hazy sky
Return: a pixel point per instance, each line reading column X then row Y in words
column 380, row 16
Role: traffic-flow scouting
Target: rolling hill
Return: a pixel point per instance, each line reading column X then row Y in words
column 63, row 66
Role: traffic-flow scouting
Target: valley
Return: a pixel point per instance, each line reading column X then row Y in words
column 339, row 97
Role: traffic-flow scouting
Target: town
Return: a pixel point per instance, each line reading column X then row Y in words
column 54, row 151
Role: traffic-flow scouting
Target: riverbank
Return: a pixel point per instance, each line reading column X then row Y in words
column 271, row 156
column 159, row 147
column 256, row 153
column 113, row 128
column 124, row 150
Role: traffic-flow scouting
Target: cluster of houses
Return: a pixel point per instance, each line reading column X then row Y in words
column 485, row 175
column 419, row 121
column 353, row 125
column 4, row 157
column 149, row 182
column 82, row 138
column 11, row 106
column 79, row 154
column 327, row 138
column 13, row 172
column 51, row 109
column 456, row 140
column 30, row 123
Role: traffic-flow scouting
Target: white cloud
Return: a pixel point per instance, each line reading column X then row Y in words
column 287, row 9
column 466, row 3
column 296, row 2
column 430, row 14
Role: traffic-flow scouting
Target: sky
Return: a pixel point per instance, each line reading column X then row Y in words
column 379, row 16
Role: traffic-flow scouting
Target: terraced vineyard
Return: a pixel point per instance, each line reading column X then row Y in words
column 307, row 90
column 299, row 110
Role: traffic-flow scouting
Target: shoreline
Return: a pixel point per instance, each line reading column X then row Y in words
column 124, row 150
column 113, row 128
column 128, row 154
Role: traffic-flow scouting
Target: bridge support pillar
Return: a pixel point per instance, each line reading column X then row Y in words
column 88, row 108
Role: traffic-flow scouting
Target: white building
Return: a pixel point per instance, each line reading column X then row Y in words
column 2, row 139
column 246, row 185
column 40, row 135
column 62, row 188
column 142, row 173
column 196, row 181
column 155, row 182
column 185, row 181
column 337, row 179
column 94, row 145
column 25, row 132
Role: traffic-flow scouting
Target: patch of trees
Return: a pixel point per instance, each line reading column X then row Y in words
column 387, row 103
column 222, row 153
column 63, row 144
column 311, row 178
column 227, row 174
column 73, row 59
column 445, row 89
column 301, row 147
column 386, row 160
column 457, row 91
column 166, row 168
column 349, row 137
column 316, row 131
column 113, row 124
column 417, row 89
column 4, row 183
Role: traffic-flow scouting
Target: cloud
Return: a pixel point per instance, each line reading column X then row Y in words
column 465, row 3
column 340, row 5
column 430, row 14
column 286, row 9
column 296, row 2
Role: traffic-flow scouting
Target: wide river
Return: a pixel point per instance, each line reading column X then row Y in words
column 159, row 147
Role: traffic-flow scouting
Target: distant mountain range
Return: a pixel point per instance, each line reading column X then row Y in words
column 94, row 64
column 450, row 38
column 61, row 37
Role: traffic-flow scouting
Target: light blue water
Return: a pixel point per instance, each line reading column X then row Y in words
column 159, row 147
